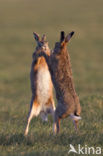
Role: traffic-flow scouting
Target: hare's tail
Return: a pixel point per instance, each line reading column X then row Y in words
column 75, row 117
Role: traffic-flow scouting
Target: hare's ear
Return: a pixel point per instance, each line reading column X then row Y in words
column 68, row 37
column 36, row 36
column 43, row 38
column 62, row 36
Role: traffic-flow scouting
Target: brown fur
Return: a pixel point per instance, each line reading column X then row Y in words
column 61, row 73
column 39, row 104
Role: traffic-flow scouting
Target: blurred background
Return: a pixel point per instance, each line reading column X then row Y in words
column 18, row 20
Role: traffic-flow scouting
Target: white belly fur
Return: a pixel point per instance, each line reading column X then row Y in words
column 43, row 87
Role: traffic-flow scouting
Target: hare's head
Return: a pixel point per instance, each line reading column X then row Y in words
column 42, row 44
column 63, row 42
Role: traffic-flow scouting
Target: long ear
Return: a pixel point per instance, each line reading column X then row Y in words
column 62, row 37
column 43, row 38
column 68, row 37
column 36, row 36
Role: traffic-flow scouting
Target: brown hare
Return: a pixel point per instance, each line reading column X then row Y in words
column 41, row 85
column 61, row 73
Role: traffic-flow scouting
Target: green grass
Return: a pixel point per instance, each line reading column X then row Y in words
column 18, row 19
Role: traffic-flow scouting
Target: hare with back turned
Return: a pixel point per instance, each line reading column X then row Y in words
column 61, row 73
column 41, row 85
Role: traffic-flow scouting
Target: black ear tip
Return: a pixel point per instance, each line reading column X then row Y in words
column 72, row 33
column 62, row 36
column 62, row 33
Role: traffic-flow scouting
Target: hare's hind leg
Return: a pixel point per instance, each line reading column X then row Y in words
column 44, row 116
column 56, row 125
column 51, row 108
column 34, row 111
column 30, row 116
column 75, row 119
column 75, row 122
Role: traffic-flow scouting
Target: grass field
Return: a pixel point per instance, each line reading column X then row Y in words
column 18, row 19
